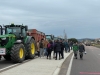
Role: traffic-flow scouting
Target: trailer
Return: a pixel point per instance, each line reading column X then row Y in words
column 38, row 35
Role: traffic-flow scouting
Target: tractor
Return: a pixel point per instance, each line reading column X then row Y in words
column 50, row 37
column 15, row 44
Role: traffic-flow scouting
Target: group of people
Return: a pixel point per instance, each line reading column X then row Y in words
column 78, row 47
column 45, row 48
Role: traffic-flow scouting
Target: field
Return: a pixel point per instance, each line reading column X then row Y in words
column 96, row 45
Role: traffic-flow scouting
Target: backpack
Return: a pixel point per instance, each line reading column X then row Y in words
column 49, row 46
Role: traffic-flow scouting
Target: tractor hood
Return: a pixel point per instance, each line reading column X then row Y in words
column 7, row 35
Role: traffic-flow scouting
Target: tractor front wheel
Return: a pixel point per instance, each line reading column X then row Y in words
column 18, row 53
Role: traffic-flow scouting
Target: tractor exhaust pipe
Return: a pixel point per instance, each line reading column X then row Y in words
column 1, row 29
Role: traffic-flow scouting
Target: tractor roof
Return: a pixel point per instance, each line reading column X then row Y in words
column 12, row 25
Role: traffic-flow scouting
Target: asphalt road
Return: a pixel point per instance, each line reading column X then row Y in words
column 65, row 65
column 90, row 65
column 4, row 63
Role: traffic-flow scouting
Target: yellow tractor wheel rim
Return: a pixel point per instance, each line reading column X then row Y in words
column 21, row 53
column 32, row 48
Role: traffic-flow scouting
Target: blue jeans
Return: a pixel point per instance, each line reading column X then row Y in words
column 41, row 52
column 66, row 49
column 45, row 52
column 71, row 47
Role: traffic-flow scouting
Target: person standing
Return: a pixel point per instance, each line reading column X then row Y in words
column 57, row 49
column 66, row 46
column 75, row 49
column 41, row 48
column 38, row 48
column 81, row 50
column 49, row 49
column 54, row 52
column 71, row 45
column 0, row 57
column 45, row 46
column 62, row 49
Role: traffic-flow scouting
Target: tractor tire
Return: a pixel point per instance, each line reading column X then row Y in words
column 7, row 57
column 18, row 53
column 31, row 49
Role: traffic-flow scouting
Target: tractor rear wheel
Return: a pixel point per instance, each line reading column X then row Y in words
column 18, row 53
column 31, row 49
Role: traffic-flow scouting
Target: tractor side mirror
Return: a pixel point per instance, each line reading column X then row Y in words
column 26, row 28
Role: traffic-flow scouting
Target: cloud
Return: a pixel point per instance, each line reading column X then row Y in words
column 80, row 18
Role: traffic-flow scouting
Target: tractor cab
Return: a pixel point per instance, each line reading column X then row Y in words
column 18, row 30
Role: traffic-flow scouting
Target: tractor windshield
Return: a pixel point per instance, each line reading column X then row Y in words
column 48, row 37
column 13, row 30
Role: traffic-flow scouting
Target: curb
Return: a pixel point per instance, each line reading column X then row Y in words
column 57, row 70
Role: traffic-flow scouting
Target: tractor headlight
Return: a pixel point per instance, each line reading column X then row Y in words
column 19, row 41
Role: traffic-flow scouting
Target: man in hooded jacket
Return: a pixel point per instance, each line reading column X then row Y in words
column 62, row 49
column 81, row 50
column 57, row 49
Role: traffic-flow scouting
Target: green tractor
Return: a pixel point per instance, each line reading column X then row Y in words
column 15, row 44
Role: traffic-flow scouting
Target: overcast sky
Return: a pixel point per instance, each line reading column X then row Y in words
column 79, row 18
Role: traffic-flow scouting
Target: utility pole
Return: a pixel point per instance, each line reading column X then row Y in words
column 65, row 36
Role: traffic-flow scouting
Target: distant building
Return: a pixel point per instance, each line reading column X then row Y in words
column 97, row 40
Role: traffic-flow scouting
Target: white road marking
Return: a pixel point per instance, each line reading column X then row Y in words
column 70, row 66
column 8, row 67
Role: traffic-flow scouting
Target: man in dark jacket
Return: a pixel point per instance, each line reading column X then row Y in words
column 81, row 50
column 57, row 49
column 62, row 49
column 54, row 53
column 71, row 45
column 0, row 57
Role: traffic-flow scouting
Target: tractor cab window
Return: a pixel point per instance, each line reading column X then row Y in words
column 49, row 37
column 13, row 30
column 23, row 32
